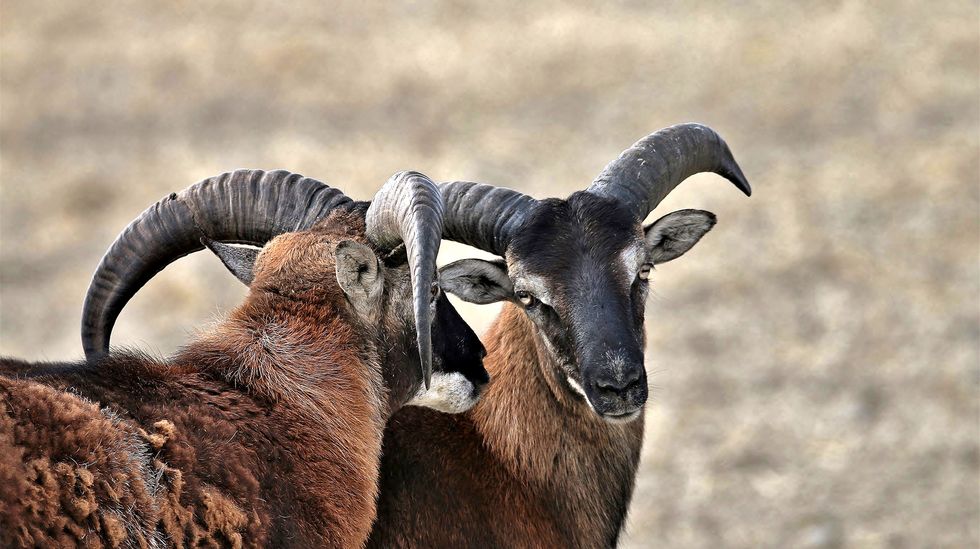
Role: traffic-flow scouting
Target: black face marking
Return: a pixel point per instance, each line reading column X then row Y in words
column 455, row 347
column 593, row 320
column 396, row 257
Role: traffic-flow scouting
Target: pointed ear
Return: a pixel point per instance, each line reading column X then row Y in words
column 240, row 260
column 359, row 275
column 477, row 281
column 675, row 233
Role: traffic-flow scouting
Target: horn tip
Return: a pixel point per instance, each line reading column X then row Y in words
column 425, row 360
column 744, row 187
column 733, row 173
column 742, row 183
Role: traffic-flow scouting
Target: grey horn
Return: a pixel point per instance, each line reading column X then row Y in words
column 646, row 172
column 242, row 207
column 484, row 216
column 409, row 208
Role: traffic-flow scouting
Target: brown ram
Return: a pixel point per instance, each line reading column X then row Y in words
column 266, row 429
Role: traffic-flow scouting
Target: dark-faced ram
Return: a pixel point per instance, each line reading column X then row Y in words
column 548, row 458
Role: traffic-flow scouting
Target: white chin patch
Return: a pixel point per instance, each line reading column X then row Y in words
column 448, row 392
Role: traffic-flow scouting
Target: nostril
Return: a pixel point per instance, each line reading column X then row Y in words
column 618, row 384
column 607, row 385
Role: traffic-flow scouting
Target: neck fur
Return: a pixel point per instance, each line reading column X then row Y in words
column 550, row 438
column 319, row 375
column 304, row 357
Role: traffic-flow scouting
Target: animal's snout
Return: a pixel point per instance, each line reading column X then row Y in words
column 617, row 381
column 616, row 385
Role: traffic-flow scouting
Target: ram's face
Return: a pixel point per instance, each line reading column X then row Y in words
column 578, row 270
column 458, row 375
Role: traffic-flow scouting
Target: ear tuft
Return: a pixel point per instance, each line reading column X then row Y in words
column 239, row 260
column 674, row 234
column 477, row 281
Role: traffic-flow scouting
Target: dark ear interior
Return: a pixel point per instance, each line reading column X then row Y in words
column 477, row 281
column 675, row 233
column 240, row 260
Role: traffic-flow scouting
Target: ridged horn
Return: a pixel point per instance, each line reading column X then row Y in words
column 409, row 208
column 646, row 172
column 483, row 216
column 243, row 207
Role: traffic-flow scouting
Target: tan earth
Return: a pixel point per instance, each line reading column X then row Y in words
column 815, row 358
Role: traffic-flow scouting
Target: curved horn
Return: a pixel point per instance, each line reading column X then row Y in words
column 646, row 172
column 409, row 209
column 483, row 216
column 244, row 207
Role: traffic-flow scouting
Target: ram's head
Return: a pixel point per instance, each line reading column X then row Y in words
column 579, row 267
column 308, row 243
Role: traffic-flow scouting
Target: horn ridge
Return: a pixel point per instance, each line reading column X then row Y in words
column 242, row 207
column 644, row 174
column 484, row 216
column 409, row 209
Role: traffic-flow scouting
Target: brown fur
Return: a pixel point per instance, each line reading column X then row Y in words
column 264, row 431
column 527, row 467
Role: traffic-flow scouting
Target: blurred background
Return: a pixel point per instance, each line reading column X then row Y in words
column 815, row 358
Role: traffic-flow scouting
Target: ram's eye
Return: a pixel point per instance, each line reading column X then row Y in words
column 525, row 297
column 644, row 272
column 436, row 291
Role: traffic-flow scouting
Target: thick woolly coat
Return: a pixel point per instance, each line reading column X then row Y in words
column 265, row 431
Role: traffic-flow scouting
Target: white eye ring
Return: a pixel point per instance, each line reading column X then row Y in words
column 525, row 297
column 644, row 273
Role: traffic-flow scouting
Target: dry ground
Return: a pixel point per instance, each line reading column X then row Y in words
column 816, row 356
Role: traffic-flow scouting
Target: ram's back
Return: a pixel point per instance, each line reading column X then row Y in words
column 91, row 460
